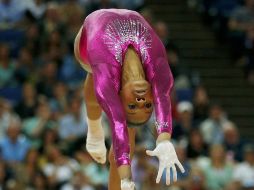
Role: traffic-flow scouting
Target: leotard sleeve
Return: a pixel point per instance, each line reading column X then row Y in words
column 160, row 77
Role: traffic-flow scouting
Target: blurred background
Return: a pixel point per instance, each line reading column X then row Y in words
column 210, row 47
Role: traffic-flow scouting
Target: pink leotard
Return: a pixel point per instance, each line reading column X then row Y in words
column 105, row 37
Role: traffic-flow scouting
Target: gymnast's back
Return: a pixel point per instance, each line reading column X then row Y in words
column 107, row 33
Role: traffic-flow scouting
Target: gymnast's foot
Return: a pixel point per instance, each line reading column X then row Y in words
column 95, row 144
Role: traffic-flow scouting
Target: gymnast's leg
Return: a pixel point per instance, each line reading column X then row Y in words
column 114, row 179
column 95, row 144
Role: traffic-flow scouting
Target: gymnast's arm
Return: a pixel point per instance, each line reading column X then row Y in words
column 108, row 97
column 161, row 80
column 160, row 77
column 109, row 100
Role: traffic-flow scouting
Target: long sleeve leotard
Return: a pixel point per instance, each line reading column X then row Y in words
column 105, row 37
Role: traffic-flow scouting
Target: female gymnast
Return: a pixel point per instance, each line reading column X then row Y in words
column 128, row 76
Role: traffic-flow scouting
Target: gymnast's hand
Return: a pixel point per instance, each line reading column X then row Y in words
column 166, row 154
column 126, row 184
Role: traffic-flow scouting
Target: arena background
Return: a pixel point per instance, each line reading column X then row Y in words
column 210, row 47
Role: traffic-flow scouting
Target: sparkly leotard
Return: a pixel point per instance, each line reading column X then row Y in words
column 105, row 37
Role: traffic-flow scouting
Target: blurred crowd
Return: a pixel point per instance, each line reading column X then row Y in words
column 233, row 23
column 42, row 115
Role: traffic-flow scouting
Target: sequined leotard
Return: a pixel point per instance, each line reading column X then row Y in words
column 105, row 37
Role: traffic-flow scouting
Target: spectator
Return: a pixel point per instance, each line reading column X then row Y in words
column 55, row 39
column 173, row 58
column 52, row 20
column 14, row 145
column 243, row 174
column 49, row 138
column 70, row 72
column 148, row 183
column 233, row 142
column 70, row 9
column 28, row 103
column 249, row 54
column 54, row 47
column 78, row 182
column 196, row 180
column 223, row 9
column 161, row 29
column 185, row 120
column 196, row 146
column 25, row 172
column 201, row 104
column 59, row 101
column 7, row 67
column 211, row 128
column 3, row 175
column 39, row 182
column 74, row 20
column 33, row 127
column 218, row 172
column 11, row 12
column 37, row 8
column 179, row 70
column 48, row 79
column 72, row 126
column 6, row 116
column 59, row 169
column 94, row 174
column 25, row 70
column 32, row 41
column 241, row 19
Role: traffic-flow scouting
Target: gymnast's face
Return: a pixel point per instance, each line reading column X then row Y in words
column 137, row 100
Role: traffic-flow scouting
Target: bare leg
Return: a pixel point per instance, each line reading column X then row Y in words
column 92, row 106
column 114, row 179
column 95, row 144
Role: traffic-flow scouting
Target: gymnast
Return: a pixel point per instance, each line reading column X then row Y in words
column 128, row 76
